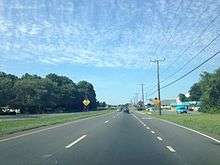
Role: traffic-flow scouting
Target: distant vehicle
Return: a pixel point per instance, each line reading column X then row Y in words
column 191, row 109
column 181, row 108
column 151, row 109
column 120, row 108
column 126, row 110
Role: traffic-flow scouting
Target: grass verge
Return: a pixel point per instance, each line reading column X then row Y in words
column 13, row 126
column 206, row 123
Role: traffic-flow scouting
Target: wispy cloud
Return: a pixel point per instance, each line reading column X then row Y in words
column 105, row 34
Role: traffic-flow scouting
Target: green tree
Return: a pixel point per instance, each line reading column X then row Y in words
column 68, row 96
column 54, row 93
column 35, row 94
column 210, row 86
column 47, row 93
column 182, row 97
column 195, row 92
column 7, row 94
column 101, row 104
column 26, row 95
column 86, row 90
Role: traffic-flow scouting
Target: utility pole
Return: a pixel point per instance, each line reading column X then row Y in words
column 157, row 61
column 146, row 96
column 136, row 98
column 142, row 93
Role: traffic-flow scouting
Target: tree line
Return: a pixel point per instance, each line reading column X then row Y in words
column 207, row 90
column 53, row 93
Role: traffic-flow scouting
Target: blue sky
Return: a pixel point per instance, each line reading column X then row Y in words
column 110, row 42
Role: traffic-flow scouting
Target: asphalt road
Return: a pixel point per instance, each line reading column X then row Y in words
column 114, row 139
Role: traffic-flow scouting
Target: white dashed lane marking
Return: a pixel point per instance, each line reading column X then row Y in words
column 159, row 138
column 76, row 141
column 106, row 121
column 170, row 148
column 146, row 118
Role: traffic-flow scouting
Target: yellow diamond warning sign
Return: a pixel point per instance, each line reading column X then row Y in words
column 86, row 102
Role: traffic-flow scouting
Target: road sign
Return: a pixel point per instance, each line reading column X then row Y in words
column 156, row 102
column 86, row 102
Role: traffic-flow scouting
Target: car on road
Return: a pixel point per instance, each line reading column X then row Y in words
column 126, row 110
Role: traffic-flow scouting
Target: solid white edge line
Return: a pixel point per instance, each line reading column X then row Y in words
column 190, row 129
column 76, row 141
column 51, row 127
column 171, row 149
column 159, row 138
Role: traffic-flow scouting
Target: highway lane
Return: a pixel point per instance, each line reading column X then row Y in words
column 117, row 138
column 37, row 147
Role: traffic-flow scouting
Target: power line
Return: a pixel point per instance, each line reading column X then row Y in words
column 201, row 34
column 179, row 22
column 152, row 93
column 188, row 62
column 194, row 24
column 176, row 27
column 180, row 4
column 171, row 83
column 168, row 28
column 192, row 43
column 183, row 76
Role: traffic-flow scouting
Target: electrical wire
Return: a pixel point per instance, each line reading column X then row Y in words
column 193, row 57
column 194, row 24
column 192, row 43
column 186, row 74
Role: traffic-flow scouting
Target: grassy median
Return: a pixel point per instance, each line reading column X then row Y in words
column 12, row 126
column 206, row 123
